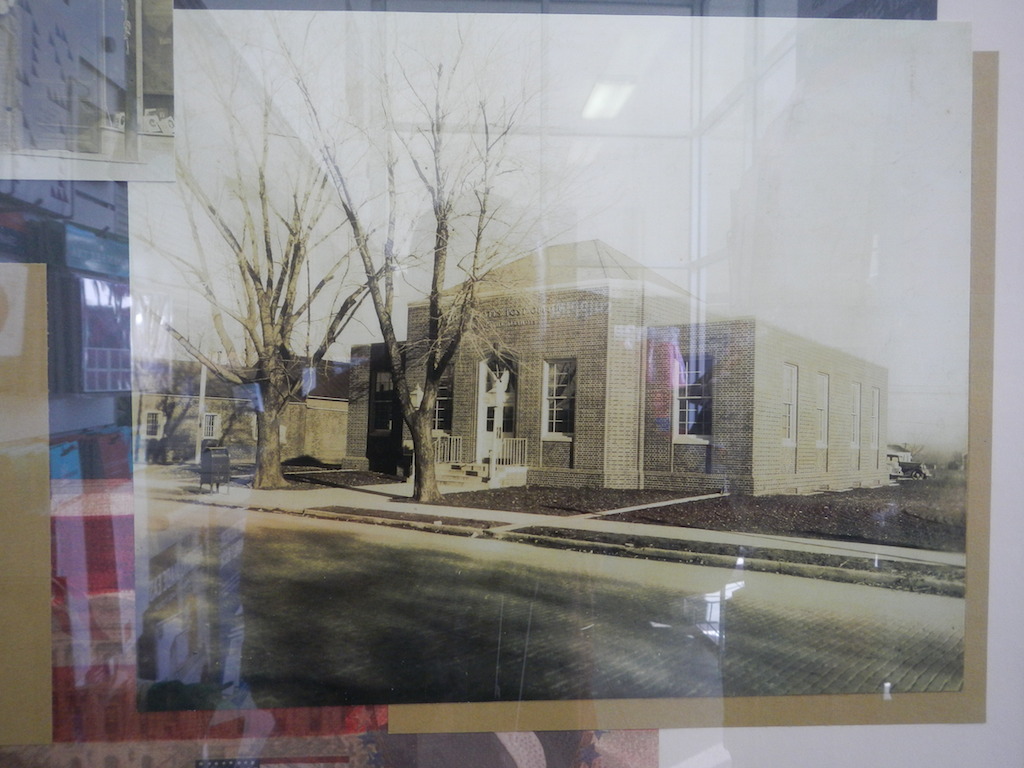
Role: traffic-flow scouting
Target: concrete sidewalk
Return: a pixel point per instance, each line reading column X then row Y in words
column 393, row 498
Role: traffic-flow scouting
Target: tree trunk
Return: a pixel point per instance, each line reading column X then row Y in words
column 268, row 442
column 425, row 486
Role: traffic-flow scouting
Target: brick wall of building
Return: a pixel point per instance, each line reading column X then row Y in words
column 624, row 336
column 531, row 328
column 326, row 428
column 807, row 464
column 237, row 427
column 315, row 428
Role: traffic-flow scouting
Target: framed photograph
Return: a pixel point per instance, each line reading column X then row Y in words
column 622, row 365
column 503, row 388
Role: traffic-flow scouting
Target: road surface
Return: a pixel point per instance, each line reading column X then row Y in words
column 332, row 613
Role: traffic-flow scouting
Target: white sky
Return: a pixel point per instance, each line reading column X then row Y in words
column 815, row 174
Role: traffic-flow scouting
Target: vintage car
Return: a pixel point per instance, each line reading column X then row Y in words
column 903, row 467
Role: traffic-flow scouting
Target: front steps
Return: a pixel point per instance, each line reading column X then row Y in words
column 476, row 476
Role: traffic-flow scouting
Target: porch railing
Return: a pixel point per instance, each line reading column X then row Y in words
column 448, row 449
column 513, row 452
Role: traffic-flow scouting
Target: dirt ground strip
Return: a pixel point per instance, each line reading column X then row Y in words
column 927, row 514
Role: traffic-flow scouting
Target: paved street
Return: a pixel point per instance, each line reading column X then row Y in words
column 338, row 612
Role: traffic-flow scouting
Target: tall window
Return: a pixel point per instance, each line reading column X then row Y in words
column 821, row 408
column 789, row 391
column 560, row 397
column 876, row 416
column 382, row 402
column 693, row 396
column 443, row 408
column 154, row 424
column 855, row 414
column 211, row 426
column 106, row 331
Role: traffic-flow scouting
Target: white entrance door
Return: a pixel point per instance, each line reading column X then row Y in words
column 496, row 406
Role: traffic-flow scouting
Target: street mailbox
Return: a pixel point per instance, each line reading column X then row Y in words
column 214, row 467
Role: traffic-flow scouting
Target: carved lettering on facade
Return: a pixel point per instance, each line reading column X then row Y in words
column 532, row 314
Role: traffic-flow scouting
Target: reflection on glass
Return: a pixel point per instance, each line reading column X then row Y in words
column 707, row 612
column 24, row 519
column 85, row 86
column 79, row 229
column 93, row 607
column 191, row 640
column 289, row 611
column 107, row 344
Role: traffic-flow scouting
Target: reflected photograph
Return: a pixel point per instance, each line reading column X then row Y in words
column 87, row 90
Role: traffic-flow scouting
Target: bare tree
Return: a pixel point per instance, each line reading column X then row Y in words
column 442, row 146
column 258, row 210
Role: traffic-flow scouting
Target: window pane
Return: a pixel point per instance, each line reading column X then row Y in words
column 443, row 408
column 822, row 408
column 855, row 393
column 382, row 406
column 106, row 332
column 693, row 395
column 789, row 394
column 561, row 397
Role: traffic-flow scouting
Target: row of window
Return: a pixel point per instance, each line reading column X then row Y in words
column 790, row 383
column 559, row 400
column 692, row 411
column 154, row 422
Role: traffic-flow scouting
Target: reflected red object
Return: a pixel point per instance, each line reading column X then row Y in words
column 93, row 621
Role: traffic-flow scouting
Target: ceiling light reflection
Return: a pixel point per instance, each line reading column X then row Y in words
column 607, row 99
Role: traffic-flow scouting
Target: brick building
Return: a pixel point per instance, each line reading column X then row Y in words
column 172, row 406
column 587, row 369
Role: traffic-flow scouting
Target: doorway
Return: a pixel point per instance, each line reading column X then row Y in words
column 496, row 406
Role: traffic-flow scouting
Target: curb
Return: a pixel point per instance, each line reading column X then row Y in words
column 946, row 581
